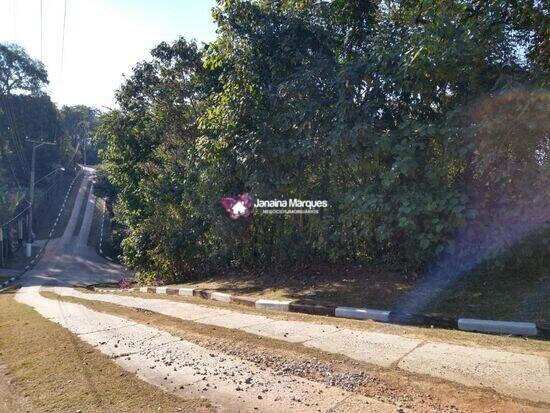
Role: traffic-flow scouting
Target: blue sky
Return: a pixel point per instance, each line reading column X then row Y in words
column 103, row 39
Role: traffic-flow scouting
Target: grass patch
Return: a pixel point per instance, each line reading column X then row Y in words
column 344, row 285
column 82, row 209
column 496, row 295
column 60, row 373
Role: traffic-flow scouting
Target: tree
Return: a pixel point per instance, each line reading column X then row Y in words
column 25, row 111
column 19, row 72
column 367, row 104
column 79, row 123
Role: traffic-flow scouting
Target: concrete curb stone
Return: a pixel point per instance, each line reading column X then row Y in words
column 273, row 305
column 186, row 292
column 392, row 317
column 362, row 314
column 226, row 298
column 499, row 327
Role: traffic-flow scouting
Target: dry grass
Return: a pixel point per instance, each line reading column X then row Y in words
column 356, row 286
column 496, row 296
column 56, row 372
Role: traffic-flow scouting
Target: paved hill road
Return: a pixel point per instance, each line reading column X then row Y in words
column 180, row 362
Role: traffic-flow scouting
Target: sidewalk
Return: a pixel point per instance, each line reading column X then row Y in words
column 183, row 368
column 512, row 374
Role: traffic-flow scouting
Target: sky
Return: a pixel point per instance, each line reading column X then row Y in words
column 104, row 39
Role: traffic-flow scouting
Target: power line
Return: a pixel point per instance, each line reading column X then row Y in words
column 41, row 31
column 63, row 38
column 17, row 145
column 13, row 9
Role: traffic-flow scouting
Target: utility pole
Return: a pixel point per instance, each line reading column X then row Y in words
column 84, row 150
column 35, row 145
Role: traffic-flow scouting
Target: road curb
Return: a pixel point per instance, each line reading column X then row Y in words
column 392, row 317
column 498, row 327
column 273, row 305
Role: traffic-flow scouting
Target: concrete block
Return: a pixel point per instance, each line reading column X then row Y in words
column 161, row 290
column 143, row 289
column 362, row 313
column 226, row 298
column 502, row 327
column 185, row 292
column 273, row 305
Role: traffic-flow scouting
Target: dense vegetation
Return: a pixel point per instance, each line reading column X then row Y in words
column 424, row 124
column 27, row 111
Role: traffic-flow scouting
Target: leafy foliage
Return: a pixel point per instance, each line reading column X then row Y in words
column 79, row 123
column 27, row 111
column 381, row 108
column 18, row 72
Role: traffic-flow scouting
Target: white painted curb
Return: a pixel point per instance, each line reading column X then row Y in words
column 221, row 297
column 362, row 313
column 273, row 305
column 185, row 292
column 465, row 324
column 501, row 327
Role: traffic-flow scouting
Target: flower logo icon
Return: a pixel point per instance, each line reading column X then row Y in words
column 238, row 206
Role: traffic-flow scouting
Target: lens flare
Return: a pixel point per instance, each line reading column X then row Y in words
column 509, row 189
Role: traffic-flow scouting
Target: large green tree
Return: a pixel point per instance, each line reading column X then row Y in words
column 79, row 124
column 19, row 72
column 374, row 106
column 25, row 111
